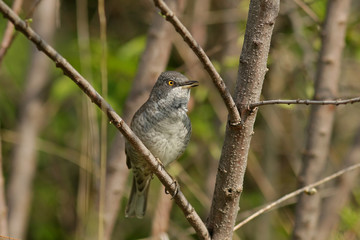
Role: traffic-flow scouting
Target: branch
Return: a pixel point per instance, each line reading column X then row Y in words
column 306, row 102
column 342, row 194
column 321, row 121
column 251, row 73
column 309, row 189
column 9, row 34
column 151, row 63
column 114, row 118
column 9, row 31
column 307, row 10
column 234, row 115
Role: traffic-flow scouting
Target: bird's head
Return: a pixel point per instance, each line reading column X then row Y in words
column 172, row 88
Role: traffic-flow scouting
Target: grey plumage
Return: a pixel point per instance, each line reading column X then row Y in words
column 164, row 127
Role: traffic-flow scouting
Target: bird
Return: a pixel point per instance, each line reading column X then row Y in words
column 164, row 127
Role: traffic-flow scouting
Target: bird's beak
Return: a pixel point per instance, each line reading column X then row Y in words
column 189, row 84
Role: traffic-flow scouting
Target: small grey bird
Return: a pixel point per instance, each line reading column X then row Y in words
column 164, row 127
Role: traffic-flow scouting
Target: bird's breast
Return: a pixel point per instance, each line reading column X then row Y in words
column 166, row 135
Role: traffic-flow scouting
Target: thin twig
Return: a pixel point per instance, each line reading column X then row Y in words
column 9, row 31
column 308, row 188
column 306, row 102
column 234, row 115
column 104, row 91
column 9, row 34
column 189, row 212
column 307, row 10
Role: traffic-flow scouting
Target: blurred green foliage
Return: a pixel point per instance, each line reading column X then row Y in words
column 276, row 145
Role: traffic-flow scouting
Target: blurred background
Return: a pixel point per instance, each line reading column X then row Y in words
column 50, row 132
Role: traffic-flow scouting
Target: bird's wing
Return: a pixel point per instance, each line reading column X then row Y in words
column 128, row 162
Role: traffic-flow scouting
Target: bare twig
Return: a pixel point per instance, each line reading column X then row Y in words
column 234, row 115
column 9, row 31
column 307, row 10
column 151, row 63
column 341, row 195
column 306, row 102
column 49, row 147
column 9, row 34
column 189, row 212
column 306, row 189
column 103, row 145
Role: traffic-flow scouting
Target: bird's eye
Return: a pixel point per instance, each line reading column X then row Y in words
column 171, row 83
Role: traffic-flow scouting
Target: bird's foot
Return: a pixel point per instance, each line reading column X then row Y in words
column 177, row 189
column 160, row 164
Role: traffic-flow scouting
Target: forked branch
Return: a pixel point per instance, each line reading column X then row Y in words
column 234, row 115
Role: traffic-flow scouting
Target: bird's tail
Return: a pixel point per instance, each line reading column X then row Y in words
column 136, row 206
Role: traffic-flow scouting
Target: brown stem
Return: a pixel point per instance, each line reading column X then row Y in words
column 9, row 31
column 321, row 117
column 305, row 102
column 330, row 212
column 233, row 161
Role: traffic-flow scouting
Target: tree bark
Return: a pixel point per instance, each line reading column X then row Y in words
column 252, row 70
column 321, row 117
column 30, row 121
column 153, row 61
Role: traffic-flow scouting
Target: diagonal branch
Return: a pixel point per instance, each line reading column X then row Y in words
column 307, row 10
column 234, row 115
column 189, row 212
column 306, row 102
column 306, row 189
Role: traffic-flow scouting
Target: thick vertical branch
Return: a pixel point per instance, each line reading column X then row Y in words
column 252, row 70
column 29, row 126
column 321, row 117
column 153, row 61
column 330, row 214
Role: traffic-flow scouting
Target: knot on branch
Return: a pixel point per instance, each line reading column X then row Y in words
column 232, row 192
column 235, row 123
column 310, row 191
